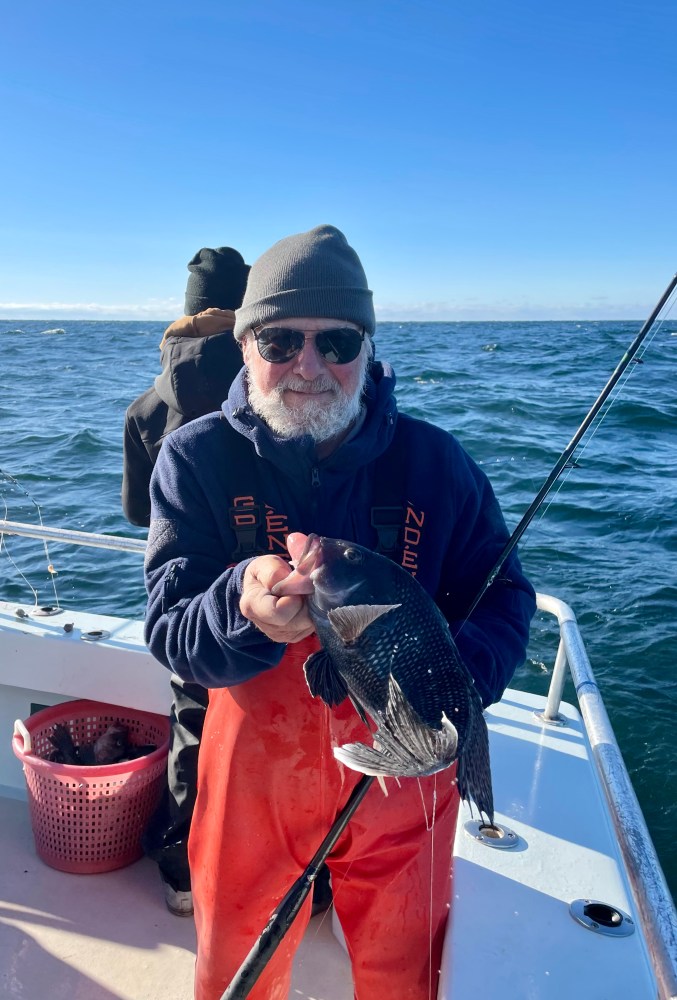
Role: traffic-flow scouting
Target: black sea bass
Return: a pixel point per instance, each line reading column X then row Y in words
column 386, row 645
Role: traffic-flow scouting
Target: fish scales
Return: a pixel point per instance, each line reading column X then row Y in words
column 386, row 645
column 413, row 644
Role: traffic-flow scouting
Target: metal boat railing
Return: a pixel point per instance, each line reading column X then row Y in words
column 655, row 907
column 651, row 895
column 119, row 543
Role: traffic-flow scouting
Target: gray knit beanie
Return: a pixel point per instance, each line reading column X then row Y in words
column 217, row 280
column 315, row 274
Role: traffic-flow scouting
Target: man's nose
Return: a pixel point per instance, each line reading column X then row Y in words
column 309, row 363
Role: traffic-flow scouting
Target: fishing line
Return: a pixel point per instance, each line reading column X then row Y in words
column 50, row 567
column 425, row 810
column 567, row 455
column 630, row 371
column 572, row 465
column 430, row 901
column 3, row 546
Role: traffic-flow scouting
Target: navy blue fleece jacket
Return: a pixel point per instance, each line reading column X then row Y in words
column 454, row 533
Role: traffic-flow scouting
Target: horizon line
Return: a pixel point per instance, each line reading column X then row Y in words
column 486, row 319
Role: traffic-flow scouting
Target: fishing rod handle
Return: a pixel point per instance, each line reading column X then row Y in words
column 269, row 940
column 285, row 913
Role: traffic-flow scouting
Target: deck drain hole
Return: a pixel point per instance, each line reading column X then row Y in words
column 603, row 914
column 95, row 635
column 494, row 832
column 500, row 837
column 602, row 918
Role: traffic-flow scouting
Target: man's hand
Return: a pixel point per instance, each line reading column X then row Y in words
column 203, row 324
column 282, row 619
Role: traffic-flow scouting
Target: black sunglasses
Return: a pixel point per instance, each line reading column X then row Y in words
column 338, row 347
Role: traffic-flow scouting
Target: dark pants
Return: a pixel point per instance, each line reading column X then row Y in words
column 166, row 837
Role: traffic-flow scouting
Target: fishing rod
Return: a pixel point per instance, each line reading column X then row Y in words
column 567, row 454
column 284, row 914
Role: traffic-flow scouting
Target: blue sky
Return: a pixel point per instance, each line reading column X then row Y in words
column 488, row 160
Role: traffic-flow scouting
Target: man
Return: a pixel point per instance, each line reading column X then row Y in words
column 199, row 361
column 314, row 423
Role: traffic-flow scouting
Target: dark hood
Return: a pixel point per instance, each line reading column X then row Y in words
column 197, row 372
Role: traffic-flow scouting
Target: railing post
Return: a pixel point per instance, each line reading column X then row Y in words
column 556, row 689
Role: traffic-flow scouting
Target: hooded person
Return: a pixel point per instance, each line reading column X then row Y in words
column 311, row 427
column 199, row 360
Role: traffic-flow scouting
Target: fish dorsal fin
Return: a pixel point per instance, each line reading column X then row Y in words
column 350, row 622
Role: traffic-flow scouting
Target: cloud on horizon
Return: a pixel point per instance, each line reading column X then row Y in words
column 503, row 310
column 154, row 309
column 164, row 310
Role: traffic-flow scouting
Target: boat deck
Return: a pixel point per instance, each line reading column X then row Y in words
column 513, row 935
column 110, row 936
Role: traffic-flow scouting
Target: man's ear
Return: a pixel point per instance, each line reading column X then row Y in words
column 246, row 346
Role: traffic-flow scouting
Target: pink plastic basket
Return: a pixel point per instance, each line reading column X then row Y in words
column 91, row 819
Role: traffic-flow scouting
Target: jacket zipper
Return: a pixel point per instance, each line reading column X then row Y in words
column 169, row 587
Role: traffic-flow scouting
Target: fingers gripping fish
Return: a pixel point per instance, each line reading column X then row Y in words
column 303, row 550
column 386, row 645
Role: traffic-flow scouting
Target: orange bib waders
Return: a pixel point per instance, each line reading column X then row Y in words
column 269, row 789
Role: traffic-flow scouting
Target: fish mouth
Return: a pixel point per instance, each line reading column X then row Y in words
column 318, row 576
column 299, row 582
column 308, row 560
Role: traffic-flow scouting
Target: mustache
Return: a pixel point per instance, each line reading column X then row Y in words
column 323, row 383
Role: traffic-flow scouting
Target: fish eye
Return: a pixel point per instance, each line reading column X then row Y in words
column 353, row 555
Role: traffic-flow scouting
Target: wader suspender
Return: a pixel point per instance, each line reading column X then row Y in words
column 245, row 521
column 388, row 497
column 388, row 500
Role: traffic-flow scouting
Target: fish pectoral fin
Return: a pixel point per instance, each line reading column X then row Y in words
column 323, row 678
column 350, row 621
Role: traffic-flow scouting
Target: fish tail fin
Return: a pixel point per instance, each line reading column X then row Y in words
column 404, row 746
column 474, row 767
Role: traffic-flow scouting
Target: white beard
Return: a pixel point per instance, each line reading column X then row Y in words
column 319, row 419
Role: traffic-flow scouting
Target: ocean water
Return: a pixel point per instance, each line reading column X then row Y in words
column 605, row 541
